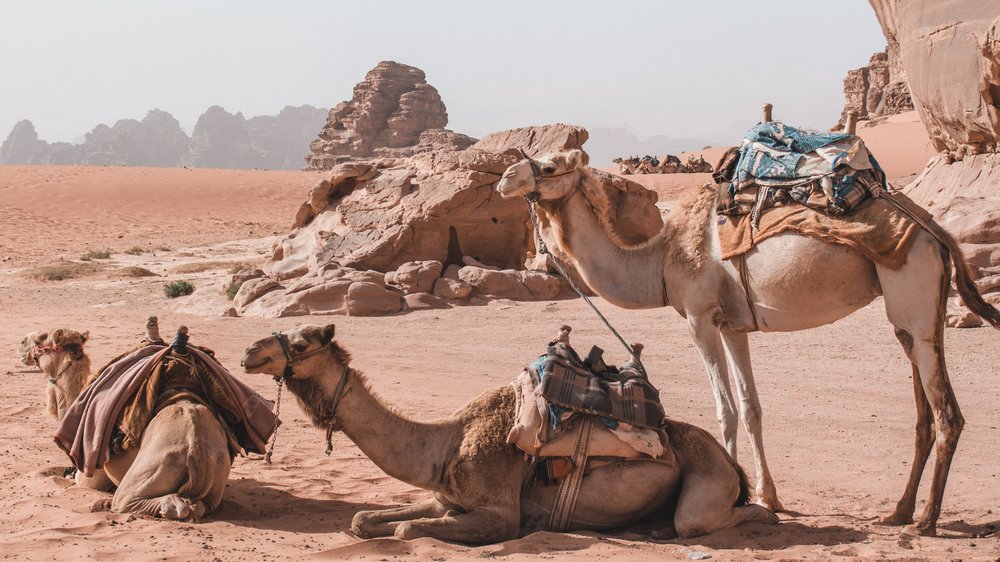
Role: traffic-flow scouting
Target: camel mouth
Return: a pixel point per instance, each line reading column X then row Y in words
column 255, row 367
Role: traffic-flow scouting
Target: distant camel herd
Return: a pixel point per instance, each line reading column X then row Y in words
column 669, row 164
column 483, row 488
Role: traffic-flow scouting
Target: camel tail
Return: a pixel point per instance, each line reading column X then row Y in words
column 964, row 277
column 743, row 498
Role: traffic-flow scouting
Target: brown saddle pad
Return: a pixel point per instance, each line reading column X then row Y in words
column 877, row 229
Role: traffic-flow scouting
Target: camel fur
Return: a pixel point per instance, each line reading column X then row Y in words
column 479, row 482
column 795, row 282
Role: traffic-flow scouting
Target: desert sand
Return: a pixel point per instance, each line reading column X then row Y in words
column 838, row 403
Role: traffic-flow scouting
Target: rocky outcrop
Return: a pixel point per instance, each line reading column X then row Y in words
column 429, row 225
column 22, row 145
column 220, row 140
column 877, row 90
column 394, row 112
column 950, row 50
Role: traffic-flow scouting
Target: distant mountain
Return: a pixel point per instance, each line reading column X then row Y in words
column 607, row 143
column 220, row 140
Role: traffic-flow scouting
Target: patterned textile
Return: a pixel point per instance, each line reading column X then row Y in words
column 624, row 395
column 86, row 432
column 779, row 164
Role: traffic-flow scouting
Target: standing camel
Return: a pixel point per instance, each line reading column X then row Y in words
column 478, row 480
column 795, row 282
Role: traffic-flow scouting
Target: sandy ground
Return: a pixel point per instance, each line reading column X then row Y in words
column 837, row 400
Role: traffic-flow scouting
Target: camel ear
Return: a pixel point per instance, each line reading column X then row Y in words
column 57, row 336
column 84, row 337
column 327, row 334
column 576, row 159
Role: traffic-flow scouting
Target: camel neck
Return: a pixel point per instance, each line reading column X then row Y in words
column 404, row 449
column 626, row 277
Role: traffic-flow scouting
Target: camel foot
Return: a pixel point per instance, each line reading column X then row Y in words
column 771, row 504
column 923, row 529
column 360, row 524
column 896, row 519
column 407, row 531
column 101, row 505
column 69, row 472
column 181, row 509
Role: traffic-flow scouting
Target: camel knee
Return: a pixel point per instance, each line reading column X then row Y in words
column 173, row 506
column 751, row 414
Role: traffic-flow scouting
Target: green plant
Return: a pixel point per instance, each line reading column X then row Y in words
column 232, row 289
column 238, row 268
column 99, row 255
column 134, row 251
column 177, row 288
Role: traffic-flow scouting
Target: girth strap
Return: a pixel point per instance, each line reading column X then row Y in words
column 569, row 488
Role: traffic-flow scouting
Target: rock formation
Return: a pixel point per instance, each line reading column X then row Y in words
column 414, row 232
column 220, row 140
column 950, row 50
column 878, row 89
column 394, row 113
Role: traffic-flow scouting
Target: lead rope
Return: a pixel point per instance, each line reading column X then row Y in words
column 274, row 432
column 543, row 249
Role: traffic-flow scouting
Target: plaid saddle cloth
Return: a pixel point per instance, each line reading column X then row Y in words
column 592, row 387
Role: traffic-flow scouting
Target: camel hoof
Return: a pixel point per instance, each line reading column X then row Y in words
column 181, row 509
column 896, row 519
column 360, row 522
column 923, row 529
column 407, row 531
column 771, row 504
column 101, row 505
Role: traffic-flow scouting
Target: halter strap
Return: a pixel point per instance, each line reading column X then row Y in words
column 290, row 356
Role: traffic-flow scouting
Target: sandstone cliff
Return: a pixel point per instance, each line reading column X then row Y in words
column 878, row 89
column 393, row 112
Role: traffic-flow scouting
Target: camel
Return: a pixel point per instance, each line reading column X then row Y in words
column 479, row 482
column 60, row 355
column 794, row 282
column 181, row 466
column 671, row 164
column 697, row 164
column 628, row 166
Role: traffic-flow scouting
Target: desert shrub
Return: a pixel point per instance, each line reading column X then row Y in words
column 232, row 289
column 135, row 251
column 177, row 288
column 135, row 271
column 61, row 270
column 99, row 255
column 239, row 267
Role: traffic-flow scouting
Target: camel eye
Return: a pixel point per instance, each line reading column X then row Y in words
column 548, row 169
column 299, row 345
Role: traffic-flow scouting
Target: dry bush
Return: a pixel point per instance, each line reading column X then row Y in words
column 134, row 271
column 62, row 270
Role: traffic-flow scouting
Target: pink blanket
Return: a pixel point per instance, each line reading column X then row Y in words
column 85, row 433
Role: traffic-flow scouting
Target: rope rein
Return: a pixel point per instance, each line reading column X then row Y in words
column 277, row 421
column 544, row 249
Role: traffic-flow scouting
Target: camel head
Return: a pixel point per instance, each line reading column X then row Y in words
column 303, row 345
column 28, row 344
column 59, row 349
column 552, row 177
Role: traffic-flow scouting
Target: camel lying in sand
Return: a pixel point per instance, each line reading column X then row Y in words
column 59, row 354
column 478, row 480
column 180, row 468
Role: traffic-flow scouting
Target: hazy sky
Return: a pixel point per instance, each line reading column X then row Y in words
column 695, row 68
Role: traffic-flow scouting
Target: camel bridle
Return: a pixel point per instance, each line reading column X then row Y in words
column 41, row 350
column 538, row 176
column 291, row 358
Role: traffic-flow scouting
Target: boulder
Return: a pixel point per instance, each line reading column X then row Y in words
column 415, row 276
column 423, row 301
column 452, row 289
column 252, row 290
column 511, row 284
column 371, row 299
column 535, row 141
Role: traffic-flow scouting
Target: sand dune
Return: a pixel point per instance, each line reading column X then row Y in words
column 838, row 416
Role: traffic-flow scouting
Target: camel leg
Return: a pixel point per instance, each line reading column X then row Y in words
column 903, row 514
column 915, row 300
column 738, row 352
column 710, row 489
column 383, row 522
column 709, row 341
column 479, row 526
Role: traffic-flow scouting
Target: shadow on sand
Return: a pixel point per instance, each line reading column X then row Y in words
column 260, row 505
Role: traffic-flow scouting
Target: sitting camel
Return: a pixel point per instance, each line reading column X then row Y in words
column 480, row 484
column 59, row 354
column 628, row 166
column 793, row 282
column 180, row 465
column 697, row 164
column 671, row 164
